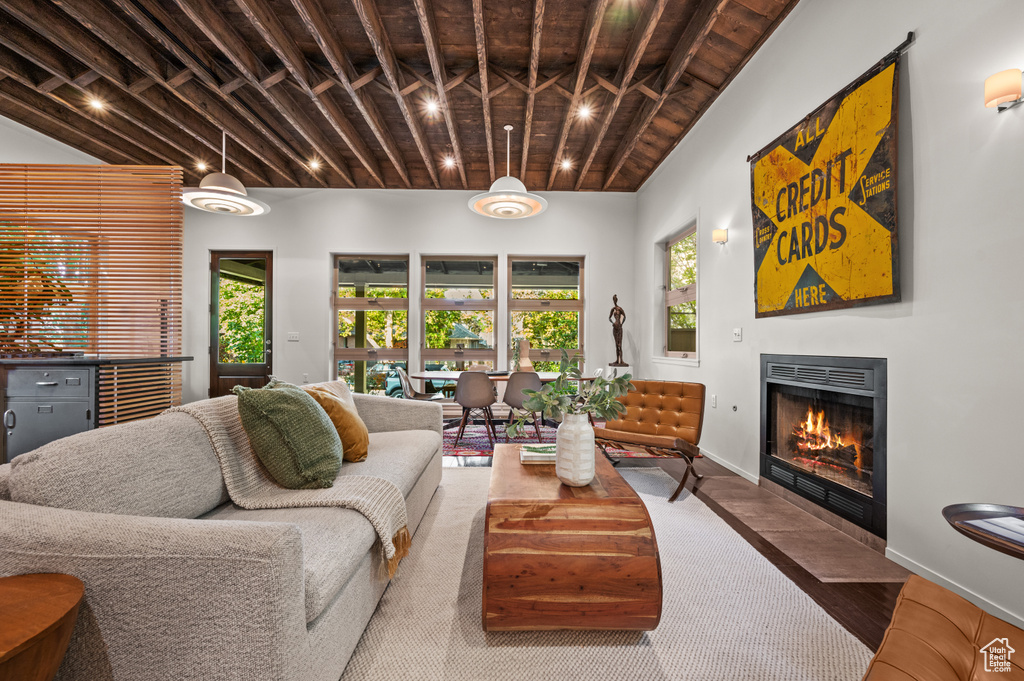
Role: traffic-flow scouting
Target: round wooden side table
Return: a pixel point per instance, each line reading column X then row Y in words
column 37, row 616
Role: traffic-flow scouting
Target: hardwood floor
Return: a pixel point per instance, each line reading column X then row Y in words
column 863, row 608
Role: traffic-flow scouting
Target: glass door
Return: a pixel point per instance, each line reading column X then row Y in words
column 240, row 320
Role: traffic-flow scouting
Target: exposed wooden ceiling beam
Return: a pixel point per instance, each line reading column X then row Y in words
column 428, row 27
column 691, row 40
column 367, row 77
column 128, row 44
column 36, row 49
column 58, row 30
column 642, row 34
column 273, row 32
column 509, row 78
column 69, row 121
column 369, row 16
column 586, row 52
column 531, row 81
column 116, row 103
column 319, row 27
column 221, row 33
column 78, row 139
column 459, row 78
column 711, row 92
column 222, row 110
column 485, row 95
column 51, row 84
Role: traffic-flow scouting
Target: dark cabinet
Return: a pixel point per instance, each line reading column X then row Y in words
column 45, row 403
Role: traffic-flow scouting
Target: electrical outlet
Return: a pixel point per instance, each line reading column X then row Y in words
column 293, row 336
column 714, row 401
column 305, row 378
column 737, row 335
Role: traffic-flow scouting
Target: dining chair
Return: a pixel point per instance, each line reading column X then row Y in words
column 514, row 397
column 474, row 392
column 410, row 392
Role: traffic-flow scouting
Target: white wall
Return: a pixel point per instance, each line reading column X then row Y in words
column 305, row 226
column 19, row 144
column 954, row 343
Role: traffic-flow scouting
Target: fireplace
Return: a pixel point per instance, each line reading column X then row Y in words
column 823, row 432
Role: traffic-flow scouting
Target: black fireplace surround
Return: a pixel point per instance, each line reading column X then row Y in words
column 823, row 433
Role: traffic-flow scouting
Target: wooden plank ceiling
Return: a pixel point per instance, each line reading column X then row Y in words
column 378, row 93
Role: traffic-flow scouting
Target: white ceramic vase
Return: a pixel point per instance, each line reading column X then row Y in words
column 574, row 450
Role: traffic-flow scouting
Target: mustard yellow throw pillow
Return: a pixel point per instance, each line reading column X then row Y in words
column 355, row 438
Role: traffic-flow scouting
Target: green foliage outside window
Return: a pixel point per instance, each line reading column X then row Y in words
column 439, row 323
column 683, row 273
column 241, row 311
column 556, row 329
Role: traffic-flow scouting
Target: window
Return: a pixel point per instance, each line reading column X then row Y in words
column 545, row 300
column 459, row 311
column 371, row 312
column 681, row 296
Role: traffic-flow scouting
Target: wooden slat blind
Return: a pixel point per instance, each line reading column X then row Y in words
column 91, row 261
column 133, row 391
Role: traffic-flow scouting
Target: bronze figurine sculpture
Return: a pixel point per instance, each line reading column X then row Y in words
column 617, row 317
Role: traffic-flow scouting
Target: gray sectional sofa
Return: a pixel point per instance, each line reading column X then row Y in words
column 180, row 583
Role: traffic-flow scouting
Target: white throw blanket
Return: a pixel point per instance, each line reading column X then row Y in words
column 251, row 487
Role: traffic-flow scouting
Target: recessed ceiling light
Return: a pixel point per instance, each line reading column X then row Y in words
column 566, row 164
column 95, row 103
column 585, row 111
column 449, row 162
column 201, row 166
column 314, row 164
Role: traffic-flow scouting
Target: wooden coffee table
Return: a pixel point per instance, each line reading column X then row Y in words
column 559, row 557
column 37, row 616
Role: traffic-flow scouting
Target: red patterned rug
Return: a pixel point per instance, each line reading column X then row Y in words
column 474, row 442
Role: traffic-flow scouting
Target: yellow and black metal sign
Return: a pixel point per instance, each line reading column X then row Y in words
column 824, row 203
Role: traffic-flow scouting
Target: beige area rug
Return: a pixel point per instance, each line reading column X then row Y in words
column 728, row 614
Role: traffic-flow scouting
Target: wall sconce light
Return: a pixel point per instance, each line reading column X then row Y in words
column 1003, row 89
column 720, row 236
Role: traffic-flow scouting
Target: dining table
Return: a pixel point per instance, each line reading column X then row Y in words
column 545, row 376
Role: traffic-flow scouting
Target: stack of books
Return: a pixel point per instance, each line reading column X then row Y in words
column 537, row 453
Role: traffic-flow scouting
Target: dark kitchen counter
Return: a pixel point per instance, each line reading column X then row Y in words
column 88, row 360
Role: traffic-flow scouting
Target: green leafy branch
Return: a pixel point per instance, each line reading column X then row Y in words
column 564, row 395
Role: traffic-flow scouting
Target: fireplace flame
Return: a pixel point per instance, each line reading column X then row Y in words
column 815, row 435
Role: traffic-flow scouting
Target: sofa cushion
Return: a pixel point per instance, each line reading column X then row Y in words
column 291, row 435
column 160, row 467
column 335, row 540
column 355, row 438
column 399, row 456
column 5, row 482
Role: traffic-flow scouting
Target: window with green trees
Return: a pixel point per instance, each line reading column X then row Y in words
column 371, row 312
column 546, row 307
column 459, row 311
column 681, row 295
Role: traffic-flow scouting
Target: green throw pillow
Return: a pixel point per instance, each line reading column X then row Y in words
column 291, row 434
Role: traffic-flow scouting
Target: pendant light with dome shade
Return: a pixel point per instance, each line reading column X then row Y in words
column 508, row 198
column 223, row 193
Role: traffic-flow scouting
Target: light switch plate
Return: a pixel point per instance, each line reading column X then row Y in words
column 293, row 336
column 714, row 401
column 737, row 335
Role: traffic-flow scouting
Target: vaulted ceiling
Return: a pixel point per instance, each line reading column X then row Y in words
column 378, row 93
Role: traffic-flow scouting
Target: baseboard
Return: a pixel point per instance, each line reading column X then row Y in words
column 983, row 603
column 752, row 477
